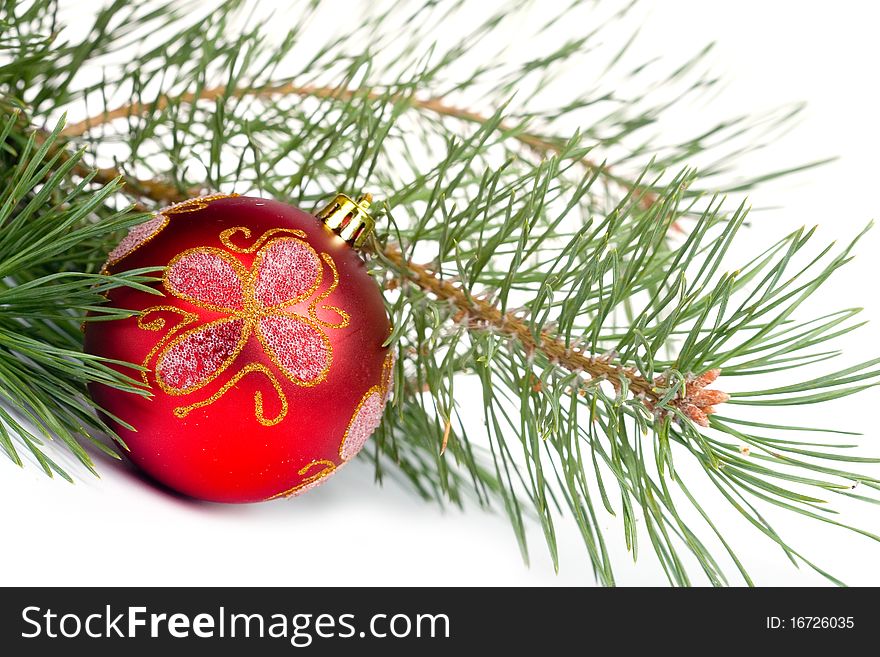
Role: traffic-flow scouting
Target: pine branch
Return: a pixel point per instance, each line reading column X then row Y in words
column 43, row 372
column 541, row 145
column 154, row 190
column 553, row 282
column 694, row 405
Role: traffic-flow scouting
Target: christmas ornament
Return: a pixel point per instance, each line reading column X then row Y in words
column 264, row 358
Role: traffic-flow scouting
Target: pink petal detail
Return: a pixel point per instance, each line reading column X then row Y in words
column 287, row 270
column 137, row 235
column 194, row 358
column 364, row 423
column 206, row 276
column 297, row 347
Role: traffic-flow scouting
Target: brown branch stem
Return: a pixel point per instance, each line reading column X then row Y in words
column 511, row 325
column 539, row 144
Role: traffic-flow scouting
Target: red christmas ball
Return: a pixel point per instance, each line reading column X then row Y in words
column 264, row 357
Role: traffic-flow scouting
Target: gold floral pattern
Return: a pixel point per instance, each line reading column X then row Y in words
column 253, row 302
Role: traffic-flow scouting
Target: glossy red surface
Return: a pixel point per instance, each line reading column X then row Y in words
column 217, row 448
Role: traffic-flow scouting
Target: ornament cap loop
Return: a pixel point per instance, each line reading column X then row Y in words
column 348, row 218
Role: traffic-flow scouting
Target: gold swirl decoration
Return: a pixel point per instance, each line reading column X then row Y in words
column 327, row 468
column 157, row 325
column 226, row 237
column 183, row 411
column 313, row 306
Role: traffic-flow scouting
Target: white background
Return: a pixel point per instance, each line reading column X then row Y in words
column 120, row 530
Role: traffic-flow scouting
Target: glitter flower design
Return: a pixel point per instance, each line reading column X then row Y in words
column 256, row 302
column 368, row 414
column 137, row 236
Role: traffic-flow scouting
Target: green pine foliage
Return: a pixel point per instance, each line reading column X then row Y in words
column 53, row 228
column 602, row 242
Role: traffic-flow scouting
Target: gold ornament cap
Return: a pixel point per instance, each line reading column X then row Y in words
column 348, row 218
